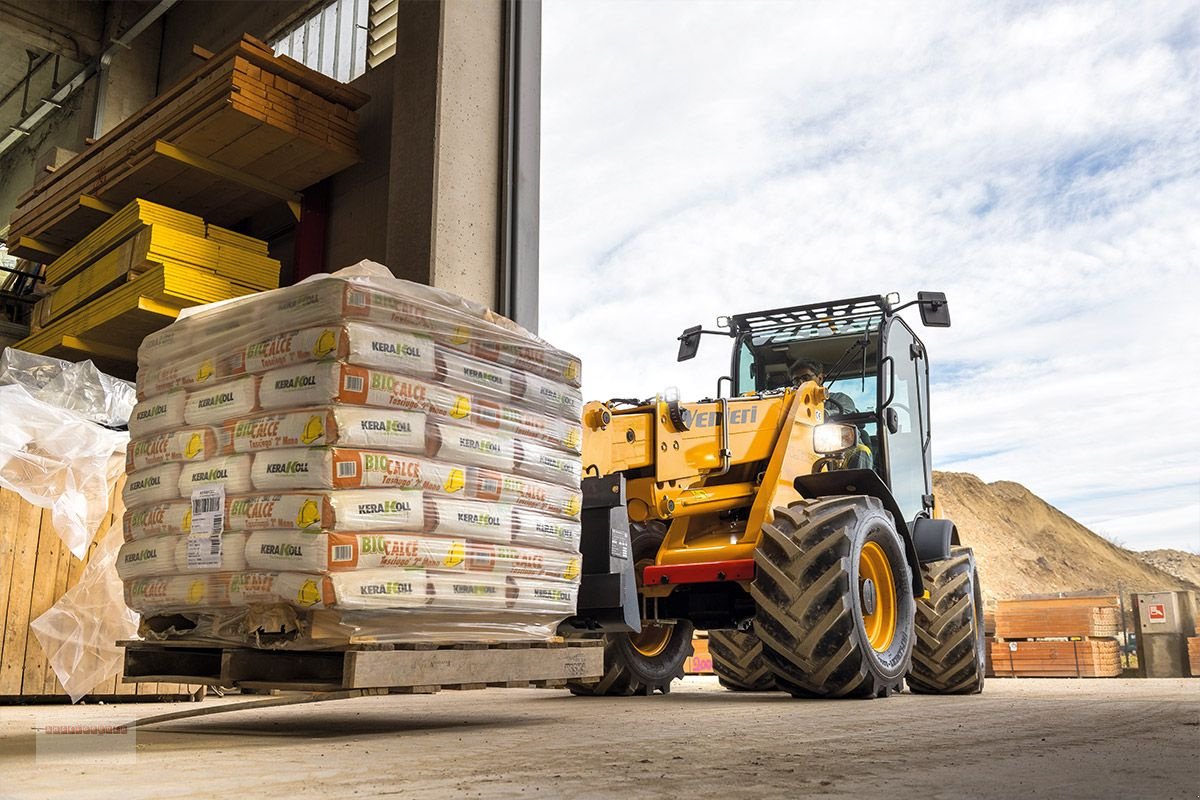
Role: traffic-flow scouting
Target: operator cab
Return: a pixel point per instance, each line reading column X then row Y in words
column 872, row 361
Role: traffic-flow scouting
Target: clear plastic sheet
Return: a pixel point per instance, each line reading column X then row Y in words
column 355, row 456
column 58, row 460
column 79, row 633
column 77, row 387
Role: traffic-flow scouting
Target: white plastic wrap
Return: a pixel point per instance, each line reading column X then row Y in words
column 58, row 460
column 353, row 456
column 77, row 387
column 80, row 632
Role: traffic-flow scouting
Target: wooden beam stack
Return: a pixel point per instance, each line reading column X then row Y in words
column 1087, row 658
column 1061, row 637
column 133, row 274
column 245, row 130
column 1067, row 616
column 1193, row 647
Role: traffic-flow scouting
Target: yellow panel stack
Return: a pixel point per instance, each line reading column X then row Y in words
column 133, row 274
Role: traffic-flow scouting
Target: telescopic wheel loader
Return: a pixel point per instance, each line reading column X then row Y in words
column 795, row 523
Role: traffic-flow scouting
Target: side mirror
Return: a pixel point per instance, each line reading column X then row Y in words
column 892, row 420
column 935, row 311
column 689, row 343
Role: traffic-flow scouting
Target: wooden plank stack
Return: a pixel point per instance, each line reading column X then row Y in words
column 36, row 569
column 133, row 274
column 1066, row 616
column 1062, row 637
column 1086, row 658
column 240, row 133
column 1193, row 647
column 700, row 661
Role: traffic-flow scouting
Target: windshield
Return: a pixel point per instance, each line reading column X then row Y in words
column 846, row 351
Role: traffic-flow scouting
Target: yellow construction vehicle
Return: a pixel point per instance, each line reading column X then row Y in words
column 792, row 517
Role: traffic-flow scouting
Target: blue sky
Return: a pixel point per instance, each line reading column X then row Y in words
column 1040, row 163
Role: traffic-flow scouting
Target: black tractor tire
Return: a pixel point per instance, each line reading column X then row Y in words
column 627, row 671
column 949, row 655
column 811, row 602
column 737, row 659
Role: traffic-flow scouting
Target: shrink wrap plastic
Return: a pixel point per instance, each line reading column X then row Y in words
column 353, row 457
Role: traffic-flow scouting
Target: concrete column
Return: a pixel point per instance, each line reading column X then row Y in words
column 446, row 143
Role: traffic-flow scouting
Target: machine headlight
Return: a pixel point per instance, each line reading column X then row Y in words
column 832, row 438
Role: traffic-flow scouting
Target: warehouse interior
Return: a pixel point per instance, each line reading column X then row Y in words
column 442, row 189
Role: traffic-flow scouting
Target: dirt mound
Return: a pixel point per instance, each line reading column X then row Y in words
column 1181, row 564
column 1026, row 546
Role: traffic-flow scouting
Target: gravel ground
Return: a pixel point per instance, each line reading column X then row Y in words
column 1021, row 738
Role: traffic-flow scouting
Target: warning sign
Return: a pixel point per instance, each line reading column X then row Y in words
column 1156, row 612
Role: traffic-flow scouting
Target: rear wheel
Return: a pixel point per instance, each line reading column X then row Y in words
column 646, row 662
column 834, row 599
column 738, row 661
column 949, row 652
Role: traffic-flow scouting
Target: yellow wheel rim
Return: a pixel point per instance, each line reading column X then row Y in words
column 877, row 590
column 655, row 636
column 652, row 640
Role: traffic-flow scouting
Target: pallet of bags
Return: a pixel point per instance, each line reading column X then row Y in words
column 358, row 455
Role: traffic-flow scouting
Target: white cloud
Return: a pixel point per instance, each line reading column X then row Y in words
column 1040, row 164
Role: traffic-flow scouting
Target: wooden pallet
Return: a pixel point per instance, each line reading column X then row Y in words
column 36, row 569
column 411, row 667
column 1057, row 617
column 246, row 129
column 1086, row 658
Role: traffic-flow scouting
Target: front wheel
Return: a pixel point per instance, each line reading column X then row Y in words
column 834, row 599
column 950, row 652
column 646, row 662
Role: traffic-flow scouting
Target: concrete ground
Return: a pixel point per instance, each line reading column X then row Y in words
column 1021, row 738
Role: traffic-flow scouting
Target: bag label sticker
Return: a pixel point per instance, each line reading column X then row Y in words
column 208, row 523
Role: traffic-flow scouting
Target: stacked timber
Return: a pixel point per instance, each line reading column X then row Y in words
column 1086, row 658
column 245, row 130
column 1064, row 616
column 1062, row 637
column 36, row 569
column 700, row 661
column 1193, row 646
column 132, row 275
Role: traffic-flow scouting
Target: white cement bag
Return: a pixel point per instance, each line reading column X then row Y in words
column 334, row 552
column 467, row 445
column 152, row 485
column 467, row 590
column 335, row 467
column 539, row 530
column 186, row 444
column 486, row 522
column 159, row 413
column 213, row 405
column 187, row 373
column 345, row 510
column 564, row 501
column 147, row 558
column 166, row 517
column 544, row 463
column 545, row 596
column 231, row 557
column 371, row 428
column 230, row 472
column 368, row 589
